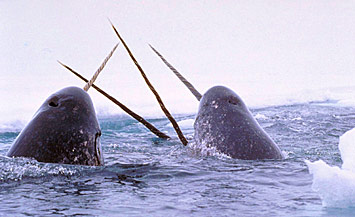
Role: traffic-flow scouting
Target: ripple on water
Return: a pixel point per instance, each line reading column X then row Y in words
column 154, row 177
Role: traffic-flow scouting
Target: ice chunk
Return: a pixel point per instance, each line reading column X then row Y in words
column 336, row 186
column 347, row 150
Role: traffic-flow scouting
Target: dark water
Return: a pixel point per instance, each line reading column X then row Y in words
column 147, row 176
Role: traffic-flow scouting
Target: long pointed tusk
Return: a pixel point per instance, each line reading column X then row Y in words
column 123, row 107
column 162, row 106
column 186, row 82
column 92, row 80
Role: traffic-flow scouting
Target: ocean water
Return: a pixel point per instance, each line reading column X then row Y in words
column 291, row 62
column 147, row 176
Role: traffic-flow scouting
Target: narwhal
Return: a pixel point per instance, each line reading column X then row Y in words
column 223, row 121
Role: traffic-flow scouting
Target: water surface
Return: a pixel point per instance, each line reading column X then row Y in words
column 145, row 175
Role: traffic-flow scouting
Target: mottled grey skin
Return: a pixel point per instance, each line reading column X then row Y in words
column 224, row 122
column 64, row 130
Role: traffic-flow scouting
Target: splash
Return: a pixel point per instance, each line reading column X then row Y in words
column 16, row 169
column 205, row 149
column 336, row 186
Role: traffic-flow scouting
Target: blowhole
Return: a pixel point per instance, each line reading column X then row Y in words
column 232, row 102
column 53, row 104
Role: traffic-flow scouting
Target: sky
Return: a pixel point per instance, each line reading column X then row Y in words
column 268, row 52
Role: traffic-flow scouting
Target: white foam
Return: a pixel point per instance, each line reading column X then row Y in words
column 336, row 186
column 204, row 149
column 260, row 116
column 17, row 168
